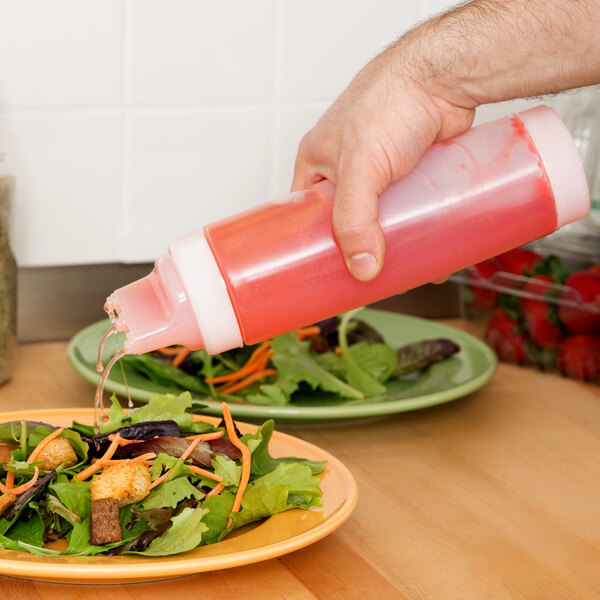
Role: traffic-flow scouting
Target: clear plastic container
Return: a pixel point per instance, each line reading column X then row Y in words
column 278, row 267
column 537, row 309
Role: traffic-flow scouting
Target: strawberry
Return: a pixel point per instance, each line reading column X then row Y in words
column 581, row 286
column 519, row 261
column 481, row 297
column 595, row 269
column 541, row 320
column 579, row 356
column 505, row 337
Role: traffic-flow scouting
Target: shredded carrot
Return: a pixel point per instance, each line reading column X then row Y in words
column 120, row 440
column 145, row 458
column 245, row 370
column 168, row 351
column 160, row 479
column 180, row 356
column 246, row 458
column 99, row 464
column 4, row 489
column 205, row 437
column 240, row 385
column 38, row 449
column 216, row 490
column 307, row 332
column 204, row 472
column 180, row 353
column 10, row 480
column 263, row 361
column 190, row 449
column 183, row 457
column 27, row 485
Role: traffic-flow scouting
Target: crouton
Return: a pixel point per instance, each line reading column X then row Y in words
column 128, row 482
column 57, row 452
column 6, row 501
column 104, row 522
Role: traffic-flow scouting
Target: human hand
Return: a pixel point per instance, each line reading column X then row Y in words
column 372, row 136
column 425, row 88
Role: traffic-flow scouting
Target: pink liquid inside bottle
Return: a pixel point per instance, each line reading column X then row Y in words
column 277, row 267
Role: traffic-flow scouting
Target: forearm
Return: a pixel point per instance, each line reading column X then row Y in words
column 493, row 50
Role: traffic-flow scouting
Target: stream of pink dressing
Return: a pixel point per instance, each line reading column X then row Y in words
column 99, row 408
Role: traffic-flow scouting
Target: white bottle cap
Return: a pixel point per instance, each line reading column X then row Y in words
column 561, row 161
column 207, row 293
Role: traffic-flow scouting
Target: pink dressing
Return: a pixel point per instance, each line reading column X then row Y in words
column 277, row 267
column 468, row 199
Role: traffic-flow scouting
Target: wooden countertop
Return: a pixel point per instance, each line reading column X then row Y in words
column 495, row 495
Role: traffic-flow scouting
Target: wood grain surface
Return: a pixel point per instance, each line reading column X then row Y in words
column 495, row 495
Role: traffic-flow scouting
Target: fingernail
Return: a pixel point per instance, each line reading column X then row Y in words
column 363, row 266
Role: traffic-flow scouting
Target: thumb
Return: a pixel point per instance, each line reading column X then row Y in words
column 356, row 225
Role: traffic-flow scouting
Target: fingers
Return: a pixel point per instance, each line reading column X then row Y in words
column 314, row 160
column 355, row 221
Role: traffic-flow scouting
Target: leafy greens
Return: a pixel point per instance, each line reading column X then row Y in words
column 177, row 515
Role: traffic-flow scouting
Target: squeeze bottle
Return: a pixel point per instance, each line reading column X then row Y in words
column 277, row 267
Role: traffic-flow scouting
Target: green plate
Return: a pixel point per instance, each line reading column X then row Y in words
column 447, row 380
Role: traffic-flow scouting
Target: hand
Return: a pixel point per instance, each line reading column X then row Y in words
column 425, row 88
column 370, row 137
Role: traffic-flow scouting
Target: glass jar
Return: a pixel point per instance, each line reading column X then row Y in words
column 8, row 284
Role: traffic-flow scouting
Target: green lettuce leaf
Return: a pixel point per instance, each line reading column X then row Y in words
column 270, row 395
column 163, row 373
column 76, row 497
column 170, row 494
column 30, row 531
column 228, row 469
column 185, row 534
column 357, row 376
column 304, row 489
column 378, row 360
column 261, row 502
column 262, row 461
column 295, row 364
column 288, row 486
column 169, row 407
column 55, row 508
column 79, row 541
column 216, row 519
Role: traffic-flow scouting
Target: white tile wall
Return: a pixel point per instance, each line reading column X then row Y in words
column 183, row 52
column 65, row 53
column 129, row 123
column 67, row 186
column 324, row 44
column 184, row 168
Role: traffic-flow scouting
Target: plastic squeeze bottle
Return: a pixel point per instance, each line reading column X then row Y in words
column 277, row 267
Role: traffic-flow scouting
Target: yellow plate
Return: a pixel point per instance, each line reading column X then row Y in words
column 280, row 534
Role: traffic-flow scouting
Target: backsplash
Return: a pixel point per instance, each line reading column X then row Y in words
column 129, row 123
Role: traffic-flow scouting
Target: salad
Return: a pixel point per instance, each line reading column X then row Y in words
column 343, row 356
column 154, row 481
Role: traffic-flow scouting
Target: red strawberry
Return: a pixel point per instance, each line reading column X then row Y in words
column 481, row 272
column 587, row 289
column 505, row 338
column 519, row 261
column 579, row 356
column 540, row 318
